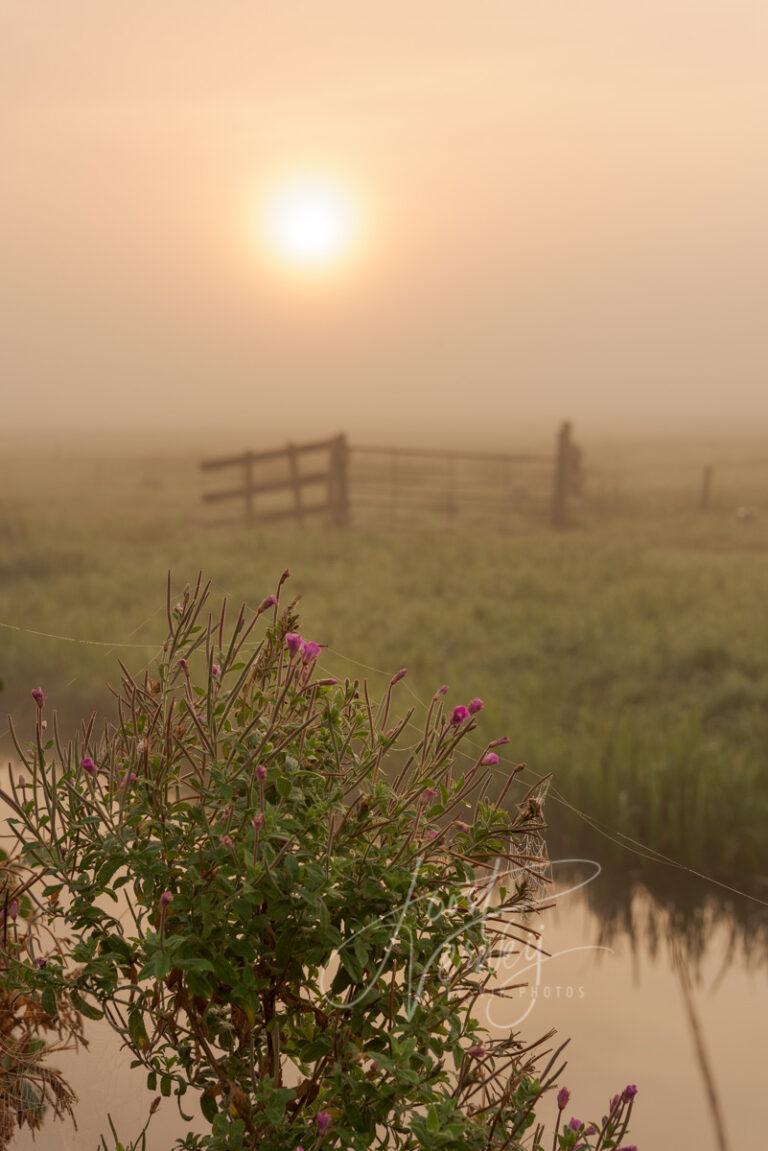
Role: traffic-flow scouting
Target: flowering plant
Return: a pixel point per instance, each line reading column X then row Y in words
column 273, row 900
column 34, row 1027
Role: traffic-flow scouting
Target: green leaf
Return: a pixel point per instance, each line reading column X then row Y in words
column 84, row 1007
column 48, row 1001
column 208, row 1106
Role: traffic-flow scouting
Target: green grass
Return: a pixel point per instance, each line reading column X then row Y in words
column 628, row 657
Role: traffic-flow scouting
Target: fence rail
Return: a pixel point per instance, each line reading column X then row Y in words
column 340, row 479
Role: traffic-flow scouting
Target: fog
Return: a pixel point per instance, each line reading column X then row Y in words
column 564, row 215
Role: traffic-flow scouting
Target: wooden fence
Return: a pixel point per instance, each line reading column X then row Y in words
column 395, row 484
column 314, row 476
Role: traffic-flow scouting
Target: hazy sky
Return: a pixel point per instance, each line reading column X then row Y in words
column 565, row 213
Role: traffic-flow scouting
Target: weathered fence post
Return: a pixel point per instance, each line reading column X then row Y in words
column 293, row 468
column 338, row 481
column 250, row 506
column 562, row 478
column 705, row 495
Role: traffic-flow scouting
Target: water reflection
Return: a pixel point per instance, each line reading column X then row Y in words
column 651, row 904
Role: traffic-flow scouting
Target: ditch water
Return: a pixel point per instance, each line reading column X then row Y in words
column 609, row 982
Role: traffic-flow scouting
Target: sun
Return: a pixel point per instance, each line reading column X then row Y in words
column 310, row 224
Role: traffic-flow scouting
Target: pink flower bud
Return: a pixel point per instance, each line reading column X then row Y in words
column 258, row 821
column 310, row 651
column 499, row 742
column 13, row 910
column 21, row 781
column 460, row 825
column 477, row 1052
column 430, row 834
column 88, row 766
column 563, row 1098
column 166, row 898
column 41, row 962
column 398, row 676
column 323, row 1121
column 474, row 706
column 490, row 759
column 265, row 604
column 216, row 671
column 184, row 665
column 38, row 696
column 227, row 841
column 429, row 795
column 293, row 642
column 460, row 713
column 129, row 778
column 441, row 691
column 261, row 773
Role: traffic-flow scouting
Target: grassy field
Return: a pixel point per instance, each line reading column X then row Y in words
column 628, row 656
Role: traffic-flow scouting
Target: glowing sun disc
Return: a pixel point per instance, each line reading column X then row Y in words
column 310, row 224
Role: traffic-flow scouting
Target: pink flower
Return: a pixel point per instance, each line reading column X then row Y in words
column 258, row 821
column 398, row 676
column 474, row 706
column 13, row 910
column 575, row 1124
column 265, row 604
column 293, row 642
column 21, row 781
column 429, row 795
column 490, row 759
column 40, row 962
column 477, row 1052
column 430, row 833
column 309, row 652
column 460, row 713
column 442, row 690
column 166, row 898
column 88, row 766
column 261, row 773
column 216, row 671
column 227, row 841
column 563, row 1098
column 38, row 696
column 129, row 778
column 629, row 1092
column 323, row 1121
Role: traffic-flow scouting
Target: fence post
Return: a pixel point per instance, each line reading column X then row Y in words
column 561, row 486
column 293, row 467
column 248, row 486
column 338, row 481
column 705, row 494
